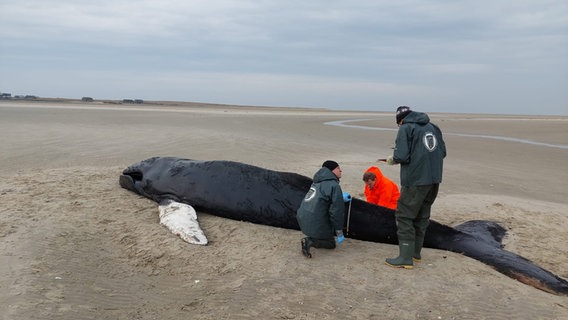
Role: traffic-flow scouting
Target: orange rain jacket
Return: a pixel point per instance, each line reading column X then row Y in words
column 385, row 192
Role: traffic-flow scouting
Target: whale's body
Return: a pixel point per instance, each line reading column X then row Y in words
column 244, row 192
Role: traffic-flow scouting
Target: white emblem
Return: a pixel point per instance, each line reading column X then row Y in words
column 311, row 194
column 430, row 141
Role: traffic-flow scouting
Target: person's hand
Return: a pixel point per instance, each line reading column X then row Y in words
column 390, row 160
column 346, row 197
column 340, row 236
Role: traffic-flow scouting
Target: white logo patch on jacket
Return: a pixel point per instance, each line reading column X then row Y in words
column 311, row 194
column 430, row 141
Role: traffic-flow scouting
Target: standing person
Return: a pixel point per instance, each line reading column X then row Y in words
column 379, row 189
column 420, row 150
column 321, row 214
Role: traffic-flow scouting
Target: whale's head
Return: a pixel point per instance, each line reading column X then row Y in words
column 133, row 176
column 139, row 176
column 161, row 178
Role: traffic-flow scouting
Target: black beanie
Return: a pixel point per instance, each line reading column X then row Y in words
column 330, row 164
column 402, row 112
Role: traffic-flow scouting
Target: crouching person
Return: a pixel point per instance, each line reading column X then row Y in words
column 322, row 212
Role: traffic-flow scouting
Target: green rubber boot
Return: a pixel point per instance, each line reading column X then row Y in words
column 417, row 257
column 404, row 259
column 420, row 227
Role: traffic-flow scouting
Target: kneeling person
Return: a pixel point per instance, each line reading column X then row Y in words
column 321, row 213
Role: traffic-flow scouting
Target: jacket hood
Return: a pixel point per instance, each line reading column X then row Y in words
column 376, row 171
column 324, row 174
column 417, row 117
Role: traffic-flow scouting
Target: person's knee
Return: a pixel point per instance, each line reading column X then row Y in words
column 420, row 226
column 424, row 212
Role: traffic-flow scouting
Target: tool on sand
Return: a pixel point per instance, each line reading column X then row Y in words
column 348, row 218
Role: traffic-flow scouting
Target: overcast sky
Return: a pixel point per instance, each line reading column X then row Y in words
column 497, row 56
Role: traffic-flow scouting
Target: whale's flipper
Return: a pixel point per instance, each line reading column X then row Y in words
column 488, row 231
column 181, row 219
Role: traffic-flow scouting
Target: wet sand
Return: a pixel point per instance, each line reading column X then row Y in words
column 77, row 246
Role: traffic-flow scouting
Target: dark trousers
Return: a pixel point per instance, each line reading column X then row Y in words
column 413, row 211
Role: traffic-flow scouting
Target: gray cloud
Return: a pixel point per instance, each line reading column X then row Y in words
column 462, row 56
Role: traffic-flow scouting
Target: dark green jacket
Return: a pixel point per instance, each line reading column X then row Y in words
column 420, row 150
column 322, row 211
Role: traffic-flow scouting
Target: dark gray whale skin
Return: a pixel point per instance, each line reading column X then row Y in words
column 244, row 192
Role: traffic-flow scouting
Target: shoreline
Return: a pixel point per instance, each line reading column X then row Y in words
column 205, row 105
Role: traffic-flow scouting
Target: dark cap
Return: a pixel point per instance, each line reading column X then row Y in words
column 330, row 164
column 402, row 112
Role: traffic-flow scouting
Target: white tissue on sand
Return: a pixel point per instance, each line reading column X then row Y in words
column 181, row 219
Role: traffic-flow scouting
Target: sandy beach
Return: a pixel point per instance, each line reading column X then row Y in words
column 75, row 245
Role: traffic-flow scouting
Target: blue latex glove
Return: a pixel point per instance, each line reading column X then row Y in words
column 346, row 197
column 340, row 236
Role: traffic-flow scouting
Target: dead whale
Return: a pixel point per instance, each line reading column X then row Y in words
column 249, row 193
